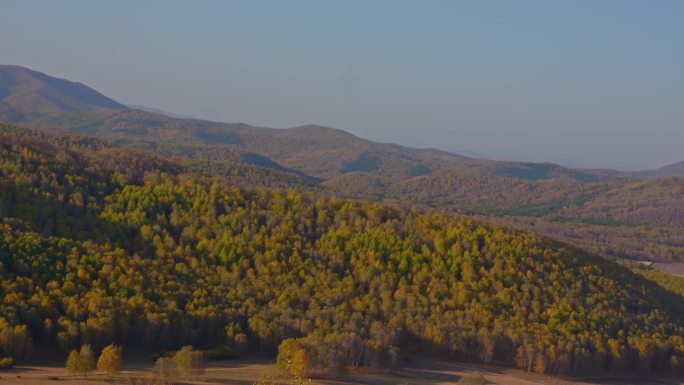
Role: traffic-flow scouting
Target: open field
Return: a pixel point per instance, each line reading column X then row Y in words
column 417, row 371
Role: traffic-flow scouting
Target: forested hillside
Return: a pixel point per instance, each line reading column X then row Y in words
column 616, row 213
column 118, row 246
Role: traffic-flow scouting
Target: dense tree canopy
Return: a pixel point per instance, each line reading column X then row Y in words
column 118, row 247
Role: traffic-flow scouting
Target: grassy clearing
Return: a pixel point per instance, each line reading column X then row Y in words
column 418, row 371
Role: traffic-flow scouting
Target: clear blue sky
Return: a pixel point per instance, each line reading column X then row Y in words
column 582, row 83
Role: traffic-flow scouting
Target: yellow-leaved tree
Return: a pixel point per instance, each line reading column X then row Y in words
column 189, row 362
column 72, row 364
column 86, row 359
column 82, row 361
column 293, row 357
column 110, row 360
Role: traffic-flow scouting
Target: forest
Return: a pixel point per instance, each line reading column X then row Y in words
column 102, row 245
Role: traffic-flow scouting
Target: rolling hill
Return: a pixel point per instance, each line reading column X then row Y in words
column 104, row 244
column 676, row 169
column 316, row 157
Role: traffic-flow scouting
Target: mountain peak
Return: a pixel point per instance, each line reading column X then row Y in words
column 25, row 91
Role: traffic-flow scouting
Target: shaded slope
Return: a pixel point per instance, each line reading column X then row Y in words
column 226, row 161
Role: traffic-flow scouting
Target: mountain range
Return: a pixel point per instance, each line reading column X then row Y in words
column 33, row 98
column 620, row 214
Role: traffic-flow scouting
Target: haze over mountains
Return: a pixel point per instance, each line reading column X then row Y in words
column 33, row 98
column 636, row 215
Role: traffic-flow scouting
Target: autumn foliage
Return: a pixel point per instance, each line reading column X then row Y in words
column 102, row 247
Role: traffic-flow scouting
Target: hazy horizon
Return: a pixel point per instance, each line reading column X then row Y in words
column 583, row 84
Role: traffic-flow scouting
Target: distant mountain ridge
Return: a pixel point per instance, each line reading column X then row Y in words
column 35, row 99
column 25, row 93
column 675, row 169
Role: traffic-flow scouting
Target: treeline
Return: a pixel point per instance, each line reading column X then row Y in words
column 627, row 242
column 93, row 252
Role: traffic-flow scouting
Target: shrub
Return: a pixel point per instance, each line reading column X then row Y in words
column 221, row 352
column 473, row 379
column 6, row 363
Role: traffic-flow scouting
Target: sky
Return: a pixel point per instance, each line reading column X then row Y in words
column 581, row 83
